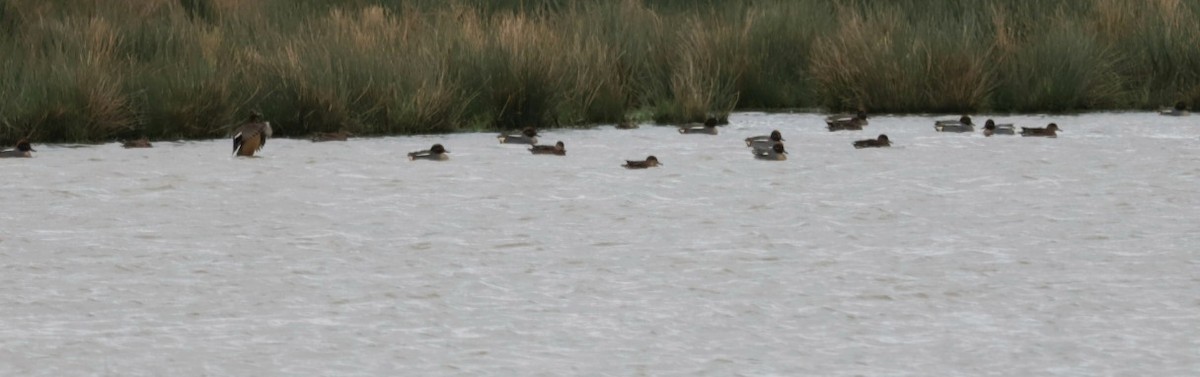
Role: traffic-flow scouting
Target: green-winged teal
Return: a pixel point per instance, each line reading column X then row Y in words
column 708, row 128
column 137, row 143
column 23, row 149
column 527, row 136
column 251, row 136
column 1049, row 131
column 774, row 153
column 330, row 136
column 881, row 141
column 435, row 153
column 764, row 141
column 963, row 124
column 558, row 149
column 991, row 128
column 1180, row 109
column 650, row 162
column 846, row 122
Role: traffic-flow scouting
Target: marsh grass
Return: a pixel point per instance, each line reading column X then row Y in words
column 92, row 71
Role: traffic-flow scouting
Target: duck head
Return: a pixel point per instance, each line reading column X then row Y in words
column 24, row 146
column 776, row 136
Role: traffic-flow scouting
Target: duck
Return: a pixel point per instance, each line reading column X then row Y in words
column 627, row 125
column 1050, row 131
column 880, row 142
column 330, row 136
column 435, row 153
column 709, row 128
column 764, row 141
column 650, row 162
column 558, row 149
column 991, row 128
column 775, row 153
column 23, row 149
column 137, row 143
column 251, row 136
column 845, row 122
column 1180, row 109
column 527, row 136
column 963, row 124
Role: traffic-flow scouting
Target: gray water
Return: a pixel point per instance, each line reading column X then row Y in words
column 946, row 255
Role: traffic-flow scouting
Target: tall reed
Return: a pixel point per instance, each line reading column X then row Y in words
column 78, row 70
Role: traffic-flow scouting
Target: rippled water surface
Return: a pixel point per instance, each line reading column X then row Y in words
column 947, row 255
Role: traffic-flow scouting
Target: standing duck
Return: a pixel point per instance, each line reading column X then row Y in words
column 251, row 136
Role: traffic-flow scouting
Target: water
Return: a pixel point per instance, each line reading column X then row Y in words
column 947, row 255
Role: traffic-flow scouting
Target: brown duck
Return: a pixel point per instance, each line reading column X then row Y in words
column 1049, row 131
column 558, row 149
column 880, row 142
column 23, row 150
column 650, row 162
column 251, row 136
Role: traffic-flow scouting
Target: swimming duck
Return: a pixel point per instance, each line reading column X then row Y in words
column 845, row 122
column 963, row 124
column 137, row 143
column 251, row 136
column 881, row 141
column 1180, row 109
column 650, row 162
column 435, row 153
column 528, row 136
column 775, row 153
column 709, row 128
column 991, row 128
column 330, row 136
column 1049, row 131
column 23, row 150
column 764, row 141
column 558, row 149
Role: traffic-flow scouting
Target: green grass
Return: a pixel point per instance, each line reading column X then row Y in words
column 82, row 71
